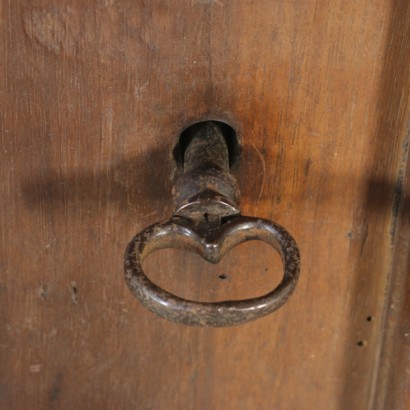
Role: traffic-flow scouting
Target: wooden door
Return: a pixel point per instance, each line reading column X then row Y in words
column 93, row 98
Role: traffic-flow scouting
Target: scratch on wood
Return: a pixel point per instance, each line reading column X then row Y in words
column 35, row 368
column 263, row 175
column 51, row 29
column 210, row 2
column 43, row 291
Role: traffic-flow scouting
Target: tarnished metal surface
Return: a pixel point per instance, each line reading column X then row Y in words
column 207, row 221
column 180, row 233
column 206, row 186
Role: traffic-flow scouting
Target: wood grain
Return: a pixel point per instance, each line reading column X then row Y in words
column 93, row 97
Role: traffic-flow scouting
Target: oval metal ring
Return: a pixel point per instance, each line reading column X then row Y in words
column 178, row 232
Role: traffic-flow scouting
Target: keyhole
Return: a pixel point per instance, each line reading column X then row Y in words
column 227, row 131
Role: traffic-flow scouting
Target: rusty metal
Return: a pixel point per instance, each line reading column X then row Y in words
column 206, row 191
column 207, row 221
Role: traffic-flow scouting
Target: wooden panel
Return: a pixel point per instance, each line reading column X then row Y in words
column 93, row 97
column 393, row 378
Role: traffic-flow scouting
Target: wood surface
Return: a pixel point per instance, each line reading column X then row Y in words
column 93, row 96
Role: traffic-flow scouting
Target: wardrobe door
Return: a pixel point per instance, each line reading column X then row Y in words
column 94, row 96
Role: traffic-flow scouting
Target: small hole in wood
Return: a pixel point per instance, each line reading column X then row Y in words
column 73, row 292
column 223, row 277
